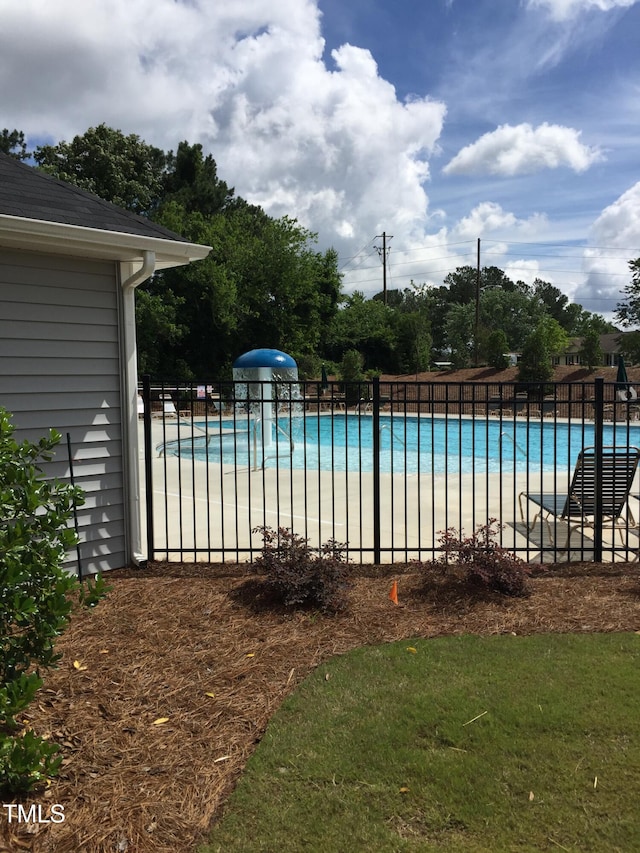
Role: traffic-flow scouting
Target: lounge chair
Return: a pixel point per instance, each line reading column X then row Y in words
column 168, row 406
column 577, row 508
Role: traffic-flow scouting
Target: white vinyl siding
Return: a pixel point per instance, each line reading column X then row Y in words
column 60, row 369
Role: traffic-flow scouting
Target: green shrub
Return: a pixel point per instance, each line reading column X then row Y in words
column 93, row 590
column 297, row 576
column 26, row 761
column 486, row 564
column 352, row 376
column 35, row 595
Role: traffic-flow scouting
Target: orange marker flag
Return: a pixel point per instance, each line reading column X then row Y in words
column 393, row 595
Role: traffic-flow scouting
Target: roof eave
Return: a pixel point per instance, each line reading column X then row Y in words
column 18, row 232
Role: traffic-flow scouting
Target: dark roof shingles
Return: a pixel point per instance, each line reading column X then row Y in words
column 31, row 194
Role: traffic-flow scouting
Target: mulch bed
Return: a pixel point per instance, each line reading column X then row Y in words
column 188, row 645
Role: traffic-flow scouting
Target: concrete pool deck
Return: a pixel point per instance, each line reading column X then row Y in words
column 208, row 511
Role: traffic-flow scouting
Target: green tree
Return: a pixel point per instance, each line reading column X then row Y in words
column 262, row 285
column 352, row 375
column 628, row 311
column 556, row 338
column 557, row 306
column 411, row 330
column 465, row 287
column 535, row 360
column 287, row 292
column 628, row 314
column 393, row 338
column 630, row 347
column 514, row 312
column 195, row 307
column 462, row 285
column 495, row 278
column 159, row 331
column 395, row 298
column 497, row 347
column 351, row 366
column 436, row 307
column 118, row 168
column 459, row 328
column 591, row 351
column 12, row 142
column 365, row 325
column 191, row 181
column 412, row 352
column 588, row 321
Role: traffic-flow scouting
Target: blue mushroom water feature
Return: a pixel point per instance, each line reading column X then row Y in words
column 264, row 379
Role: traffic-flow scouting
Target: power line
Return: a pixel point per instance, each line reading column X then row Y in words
column 581, row 254
column 513, row 269
column 539, row 272
column 634, row 249
column 556, row 255
column 359, row 252
column 570, row 272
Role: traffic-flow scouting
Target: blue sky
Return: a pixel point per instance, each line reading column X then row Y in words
column 506, row 64
column 441, row 123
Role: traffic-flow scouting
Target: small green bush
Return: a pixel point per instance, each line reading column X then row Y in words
column 297, row 576
column 26, row 761
column 93, row 590
column 35, row 596
column 486, row 564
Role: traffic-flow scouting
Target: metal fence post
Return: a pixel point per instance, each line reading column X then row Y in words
column 148, row 473
column 376, row 470
column 598, row 450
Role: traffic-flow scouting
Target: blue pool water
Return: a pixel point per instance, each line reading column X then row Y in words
column 409, row 445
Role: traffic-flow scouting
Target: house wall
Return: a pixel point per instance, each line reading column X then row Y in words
column 60, row 368
column 567, row 359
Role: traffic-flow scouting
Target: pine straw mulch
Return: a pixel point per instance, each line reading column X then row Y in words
column 167, row 637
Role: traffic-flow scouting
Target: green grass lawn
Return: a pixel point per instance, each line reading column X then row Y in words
column 461, row 744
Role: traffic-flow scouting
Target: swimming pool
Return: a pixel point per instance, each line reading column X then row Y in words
column 408, row 445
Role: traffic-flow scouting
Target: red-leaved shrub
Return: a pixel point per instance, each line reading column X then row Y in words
column 298, row 576
column 485, row 563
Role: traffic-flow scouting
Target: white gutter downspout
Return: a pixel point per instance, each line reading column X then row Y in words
column 131, row 394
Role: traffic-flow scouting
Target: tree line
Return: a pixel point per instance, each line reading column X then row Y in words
column 265, row 284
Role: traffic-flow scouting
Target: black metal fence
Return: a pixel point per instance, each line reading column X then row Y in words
column 387, row 467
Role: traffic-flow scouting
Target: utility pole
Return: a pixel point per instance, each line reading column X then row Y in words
column 383, row 252
column 477, row 320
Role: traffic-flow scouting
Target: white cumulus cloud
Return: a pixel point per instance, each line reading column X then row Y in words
column 323, row 139
column 331, row 145
column 615, row 240
column 522, row 149
column 524, row 270
column 489, row 218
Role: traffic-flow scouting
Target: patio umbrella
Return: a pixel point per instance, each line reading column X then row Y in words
column 324, row 379
column 624, row 391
